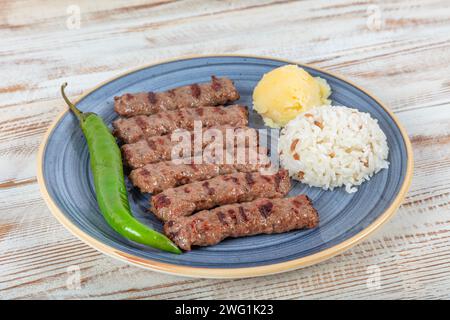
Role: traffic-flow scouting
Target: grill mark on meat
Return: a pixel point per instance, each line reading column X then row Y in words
column 171, row 93
column 277, row 181
column 242, row 213
column 139, row 154
column 140, row 122
column 222, row 218
column 151, row 144
column 215, row 85
column 145, row 172
column 166, row 174
column 231, row 178
column 266, row 209
column 297, row 204
column 196, row 90
column 170, row 223
column 162, row 201
column 218, row 91
column 209, row 190
column 173, row 235
column 152, row 97
column 166, row 122
column 218, row 191
column 233, row 216
column 262, row 216
column 249, row 178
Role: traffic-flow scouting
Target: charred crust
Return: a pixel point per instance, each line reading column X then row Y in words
column 233, row 216
column 195, row 90
column 278, row 178
column 266, row 209
column 140, row 122
column 151, row 144
column 296, row 203
column 161, row 201
column 170, row 223
column 215, row 83
column 222, row 218
column 244, row 111
column 152, row 97
column 242, row 213
column 249, row 178
column 209, row 190
column 145, row 172
column 171, row 92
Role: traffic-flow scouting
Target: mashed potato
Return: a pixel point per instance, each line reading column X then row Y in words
column 287, row 91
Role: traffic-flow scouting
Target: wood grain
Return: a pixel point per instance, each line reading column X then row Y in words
column 406, row 63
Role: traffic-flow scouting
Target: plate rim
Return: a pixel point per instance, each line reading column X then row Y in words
column 217, row 273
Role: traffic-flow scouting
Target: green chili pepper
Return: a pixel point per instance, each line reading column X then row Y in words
column 107, row 170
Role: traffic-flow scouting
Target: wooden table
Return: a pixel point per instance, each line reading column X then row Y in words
column 400, row 51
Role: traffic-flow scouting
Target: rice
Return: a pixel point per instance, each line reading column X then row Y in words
column 333, row 146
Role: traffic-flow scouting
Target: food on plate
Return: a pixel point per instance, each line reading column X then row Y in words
column 106, row 166
column 333, row 146
column 159, row 148
column 285, row 92
column 133, row 129
column 262, row 216
column 217, row 92
column 156, row 177
column 226, row 189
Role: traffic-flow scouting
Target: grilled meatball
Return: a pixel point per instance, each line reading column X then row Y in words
column 156, row 177
column 217, row 92
column 159, row 148
column 130, row 130
column 262, row 216
column 231, row 188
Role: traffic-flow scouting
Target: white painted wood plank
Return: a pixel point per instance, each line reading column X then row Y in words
column 405, row 63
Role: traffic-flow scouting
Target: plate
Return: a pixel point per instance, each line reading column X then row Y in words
column 66, row 183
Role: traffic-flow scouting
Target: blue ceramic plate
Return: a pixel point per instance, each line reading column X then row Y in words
column 345, row 219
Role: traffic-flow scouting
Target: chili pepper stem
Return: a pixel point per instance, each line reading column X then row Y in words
column 72, row 107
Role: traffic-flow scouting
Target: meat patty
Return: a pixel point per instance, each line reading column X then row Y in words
column 159, row 148
column 226, row 189
column 217, row 92
column 133, row 129
column 262, row 216
column 156, row 177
